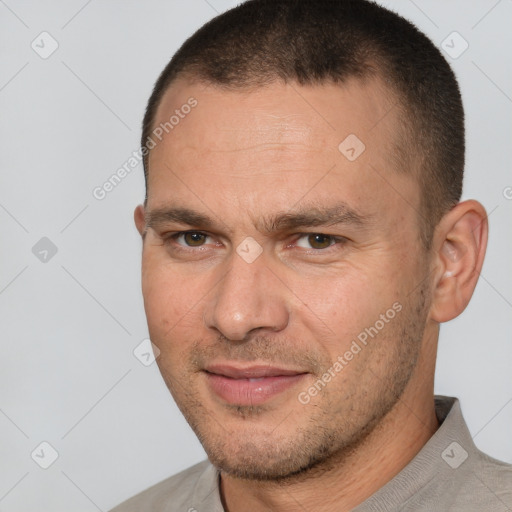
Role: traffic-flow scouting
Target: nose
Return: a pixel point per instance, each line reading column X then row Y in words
column 248, row 298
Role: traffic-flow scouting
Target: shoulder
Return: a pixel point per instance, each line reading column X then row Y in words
column 492, row 479
column 479, row 483
column 174, row 493
column 471, row 479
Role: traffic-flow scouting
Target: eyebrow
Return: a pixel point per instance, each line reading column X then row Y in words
column 313, row 216
column 303, row 217
column 186, row 216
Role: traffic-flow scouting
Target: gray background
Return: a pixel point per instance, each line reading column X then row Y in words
column 70, row 323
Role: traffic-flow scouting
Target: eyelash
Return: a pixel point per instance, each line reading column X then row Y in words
column 173, row 237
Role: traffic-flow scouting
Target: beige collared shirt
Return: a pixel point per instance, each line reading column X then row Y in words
column 449, row 474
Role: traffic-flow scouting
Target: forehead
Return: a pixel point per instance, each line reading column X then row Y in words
column 274, row 144
column 315, row 116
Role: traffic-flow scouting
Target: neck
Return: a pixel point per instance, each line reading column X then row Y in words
column 345, row 482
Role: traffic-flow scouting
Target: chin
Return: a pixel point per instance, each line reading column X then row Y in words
column 262, row 455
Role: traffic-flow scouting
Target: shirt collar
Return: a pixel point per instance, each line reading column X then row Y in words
column 451, row 443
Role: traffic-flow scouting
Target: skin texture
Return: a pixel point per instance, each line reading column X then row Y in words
column 243, row 158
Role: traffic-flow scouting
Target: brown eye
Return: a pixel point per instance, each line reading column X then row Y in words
column 319, row 241
column 194, row 239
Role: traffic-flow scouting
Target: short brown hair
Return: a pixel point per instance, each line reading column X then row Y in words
column 317, row 41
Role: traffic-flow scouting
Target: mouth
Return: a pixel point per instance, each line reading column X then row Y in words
column 250, row 385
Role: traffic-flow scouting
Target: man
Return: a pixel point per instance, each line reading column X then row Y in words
column 303, row 241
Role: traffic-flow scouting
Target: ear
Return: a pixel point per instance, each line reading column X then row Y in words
column 460, row 240
column 140, row 220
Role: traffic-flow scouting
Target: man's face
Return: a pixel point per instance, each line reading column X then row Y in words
column 309, row 258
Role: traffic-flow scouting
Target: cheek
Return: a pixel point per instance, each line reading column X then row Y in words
column 170, row 300
column 173, row 322
column 335, row 308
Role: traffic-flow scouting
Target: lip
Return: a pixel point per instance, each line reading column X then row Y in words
column 250, row 385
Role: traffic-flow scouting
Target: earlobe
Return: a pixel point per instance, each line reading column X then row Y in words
column 140, row 221
column 461, row 240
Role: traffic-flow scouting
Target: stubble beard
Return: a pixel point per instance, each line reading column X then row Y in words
column 334, row 428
